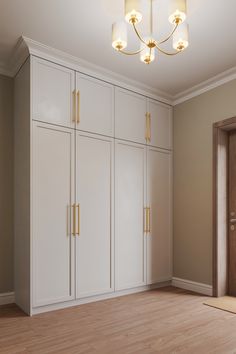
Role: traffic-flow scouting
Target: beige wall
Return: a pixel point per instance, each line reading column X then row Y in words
column 6, row 184
column 193, row 180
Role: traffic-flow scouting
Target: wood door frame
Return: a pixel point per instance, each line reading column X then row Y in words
column 220, row 204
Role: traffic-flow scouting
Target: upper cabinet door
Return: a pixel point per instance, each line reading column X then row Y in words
column 130, row 116
column 159, row 200
column 95, row 105
column 160, row 125
column 53, row 93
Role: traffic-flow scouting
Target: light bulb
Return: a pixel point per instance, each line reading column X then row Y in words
column 119, row 35
column 148, row 54
column 177, row 11
column 180, row 37
column 133, row 11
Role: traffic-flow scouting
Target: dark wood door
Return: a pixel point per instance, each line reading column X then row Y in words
column 232, row 214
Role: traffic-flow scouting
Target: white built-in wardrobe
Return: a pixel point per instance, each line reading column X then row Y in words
column 93, row 188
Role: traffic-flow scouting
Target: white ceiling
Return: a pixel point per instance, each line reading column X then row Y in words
column 82, row 28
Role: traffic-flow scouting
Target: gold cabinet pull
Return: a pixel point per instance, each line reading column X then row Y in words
column 78, row 107
column 78, row 231
column 74, row 106
column 146, row 132
column 144, row 219
column 149, row 127
column 74, row 219
column 148, row 220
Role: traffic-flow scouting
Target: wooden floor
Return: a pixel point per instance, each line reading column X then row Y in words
column 160, row 321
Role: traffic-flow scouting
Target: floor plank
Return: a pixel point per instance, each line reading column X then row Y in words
column 162, row 321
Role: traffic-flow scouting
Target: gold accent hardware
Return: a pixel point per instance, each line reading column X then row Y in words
column 148, row 218
column 78, row 106
column 74, row 106
column 144, row 220
column 149, row 127
column 74, row 219
column 146, row 132
column 78, row 231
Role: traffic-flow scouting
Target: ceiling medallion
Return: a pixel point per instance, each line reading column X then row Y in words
column 133, row 15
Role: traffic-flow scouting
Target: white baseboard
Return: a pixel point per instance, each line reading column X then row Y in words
column 192, row 286
column 7, row 298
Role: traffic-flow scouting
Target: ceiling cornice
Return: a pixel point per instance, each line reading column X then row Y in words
column 205, row 86
column 26, row 46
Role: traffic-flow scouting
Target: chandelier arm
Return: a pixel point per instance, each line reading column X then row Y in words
column 131, row 53
column 166, row 53
column 170, row 35
column 139, row 36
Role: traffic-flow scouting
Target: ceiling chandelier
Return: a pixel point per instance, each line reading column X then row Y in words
column 133, row 15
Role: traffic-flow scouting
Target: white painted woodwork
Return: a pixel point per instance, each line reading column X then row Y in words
column 161, row 124
column 159, row 199
column 52, row 93
column 94, row 188
column 22, row 188
column 130, row 198
column 95, row 105
column 130, row 116
column 59, row 162
column 52, row 196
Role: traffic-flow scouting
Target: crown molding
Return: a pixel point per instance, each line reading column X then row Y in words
column 27, row 46
column 205, row 86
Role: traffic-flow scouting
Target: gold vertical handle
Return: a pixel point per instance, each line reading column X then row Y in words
column 78, row 107
column 146, row 132
column 149, row 127
column 74, row 219
column 78, row 231
column 74, row 106
column 148, row 220
column 144, row 220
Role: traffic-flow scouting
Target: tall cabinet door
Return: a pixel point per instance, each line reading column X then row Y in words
column 130, row 116
column 53, row 93
column 130, row 198
column 161, row 124
column 52, row 197
column 94, row 190
column 159, row 199
column 95, row 105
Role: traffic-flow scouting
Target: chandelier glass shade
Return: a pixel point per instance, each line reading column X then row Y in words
column 148, row 45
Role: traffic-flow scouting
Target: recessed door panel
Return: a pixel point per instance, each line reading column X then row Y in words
column 52, row 197
column 159, row 195
column 130, row 116
column 130, row 194
column 161, row 125
column 95, row 105
column 94, row 189
column 53, row 99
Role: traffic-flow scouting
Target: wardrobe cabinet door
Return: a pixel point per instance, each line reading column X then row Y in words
column 130, row 116
column 52, row 197
column 94, row 189
column 95, row 105
column 161, row 125
column 130, row 242
column 53, row 93
column 159, row 199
